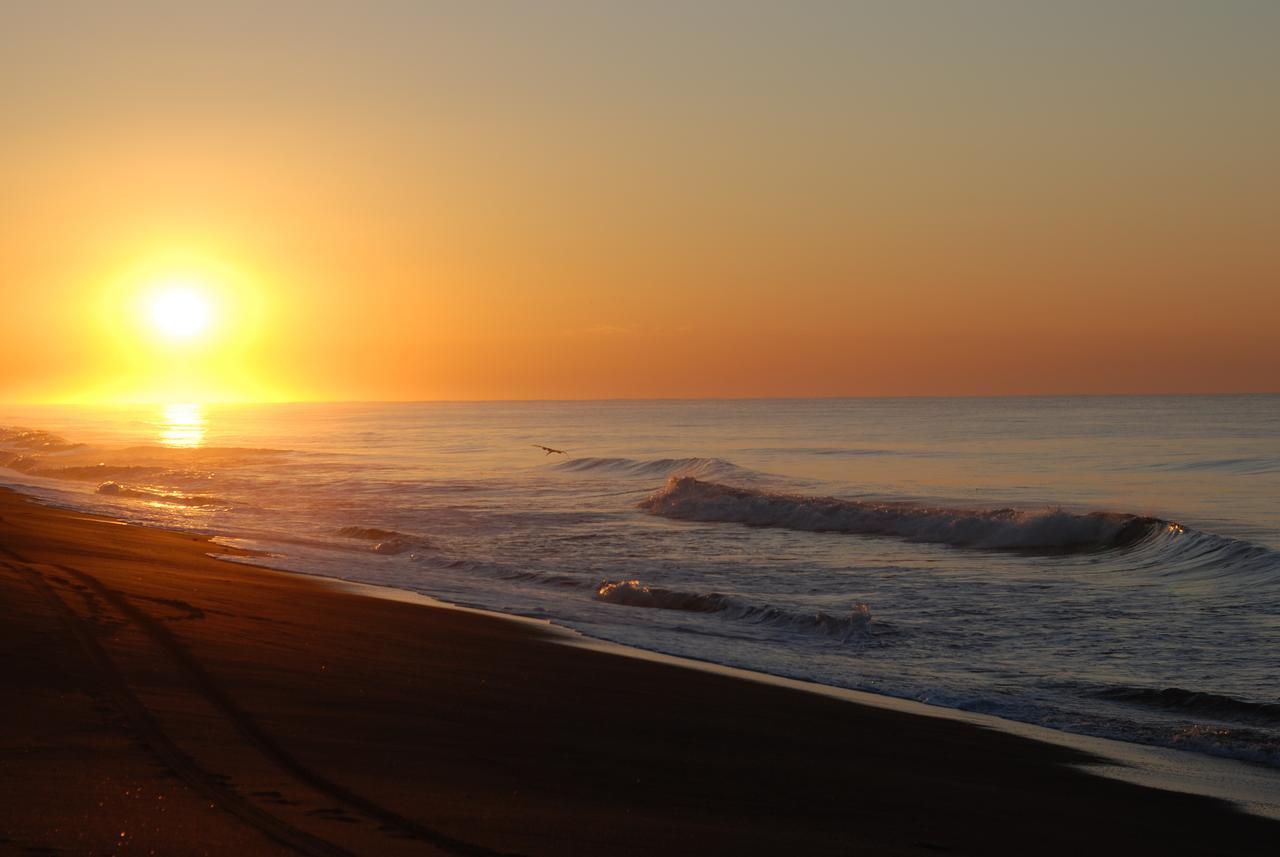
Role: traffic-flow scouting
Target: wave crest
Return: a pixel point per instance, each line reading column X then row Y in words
column 690, row 499
column 633, row 593
column 388, row 542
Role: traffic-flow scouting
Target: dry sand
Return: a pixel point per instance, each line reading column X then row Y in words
column 159, row 701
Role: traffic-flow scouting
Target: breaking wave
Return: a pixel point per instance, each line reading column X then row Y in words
column 386, row 541
column 372, row 533
column 632, row 593
column 690, row 499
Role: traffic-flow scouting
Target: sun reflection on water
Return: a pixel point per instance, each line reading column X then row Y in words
column 182, row 424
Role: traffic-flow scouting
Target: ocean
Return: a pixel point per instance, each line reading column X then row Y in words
column 1107, row 566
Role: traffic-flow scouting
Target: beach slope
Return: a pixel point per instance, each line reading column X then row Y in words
column 161, row 701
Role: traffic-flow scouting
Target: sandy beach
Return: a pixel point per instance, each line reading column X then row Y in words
column 164, row 702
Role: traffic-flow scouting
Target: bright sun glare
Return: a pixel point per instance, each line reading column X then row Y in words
column 181, row 328
column 179, row 312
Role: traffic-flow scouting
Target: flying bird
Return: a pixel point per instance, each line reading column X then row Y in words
column 550, row 450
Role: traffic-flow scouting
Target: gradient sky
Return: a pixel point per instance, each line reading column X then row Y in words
column 411, row 200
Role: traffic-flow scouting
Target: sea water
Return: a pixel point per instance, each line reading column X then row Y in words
column 1109, row 566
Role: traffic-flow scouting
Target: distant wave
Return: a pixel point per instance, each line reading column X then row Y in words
column 1241, row 466
column 690, row 499
column 155, row 495
column 26, row 448
column 656, row 468
column 38, row 439
column 386, row 541
column 633, row 593
column 151, row 472
column 823, row 450
column 88, row 472
column 1199, row 703
column 211, row 455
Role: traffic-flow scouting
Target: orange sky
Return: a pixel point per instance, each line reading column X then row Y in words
column 418, row 201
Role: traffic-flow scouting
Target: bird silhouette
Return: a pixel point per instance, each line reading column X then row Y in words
column 550, row 450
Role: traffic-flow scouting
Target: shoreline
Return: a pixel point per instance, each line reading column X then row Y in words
column 1252, row 787
column 430, row 728
column 1251, row 784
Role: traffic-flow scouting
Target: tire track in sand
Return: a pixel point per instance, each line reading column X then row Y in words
column 247, row 727
column 149, row 731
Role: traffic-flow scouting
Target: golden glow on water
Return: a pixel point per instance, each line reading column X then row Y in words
column 182, row 425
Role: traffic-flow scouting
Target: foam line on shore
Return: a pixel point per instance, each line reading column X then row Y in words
column 1253, row 789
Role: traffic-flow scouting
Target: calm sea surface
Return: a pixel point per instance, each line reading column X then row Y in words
column 1101, row 565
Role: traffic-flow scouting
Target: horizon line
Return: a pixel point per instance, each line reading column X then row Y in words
column 1133, row 395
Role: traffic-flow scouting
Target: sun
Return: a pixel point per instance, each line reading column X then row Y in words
column 179, row 311
column 182, row 327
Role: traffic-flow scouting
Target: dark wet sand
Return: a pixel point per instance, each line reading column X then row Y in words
column 159, row 701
